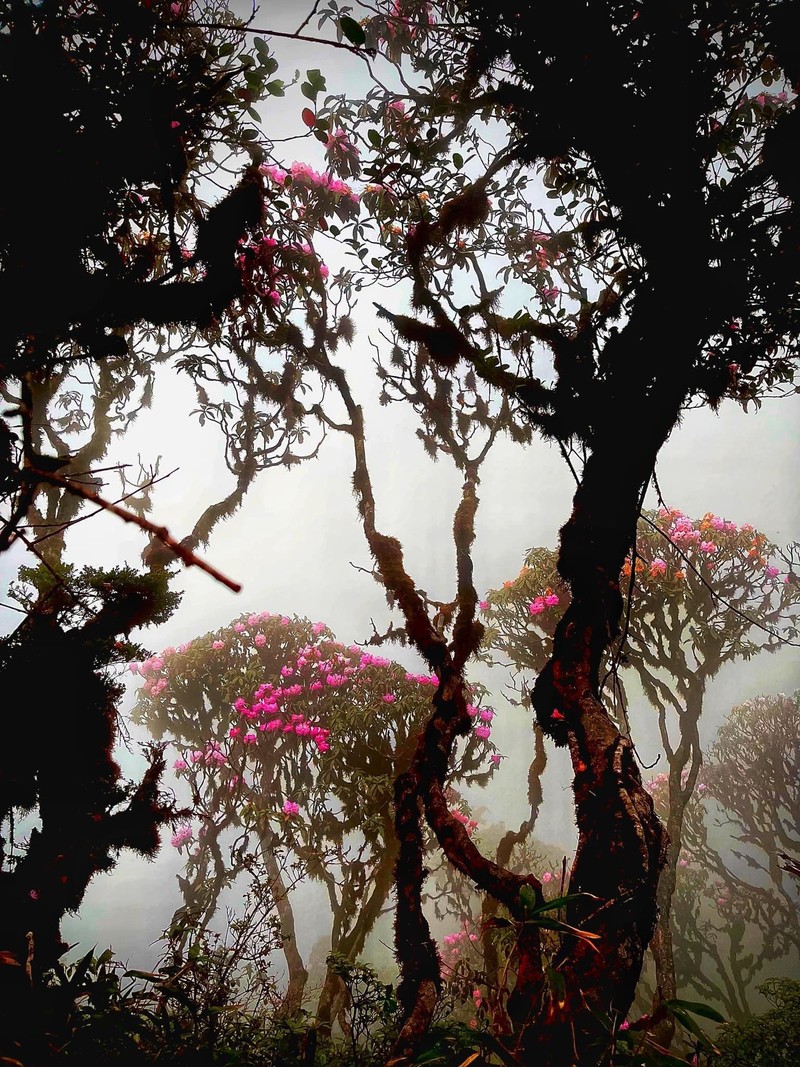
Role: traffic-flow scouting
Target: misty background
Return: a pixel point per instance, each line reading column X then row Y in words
column 296, row 543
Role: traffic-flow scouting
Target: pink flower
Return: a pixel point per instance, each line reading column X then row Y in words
column 274, row 724
column 551, row 600
column 547, row 877
column 217, row 645
column 196, row 756
column 708, row 547
column 285, row 620
column 290, row 808
column 317, row 628
column 484, row 605
column 234, row 731
column 537, row 606
column 495, row 758
column 624, row 1025
column 180, row 765
column 388, row 698
column 772, row 572
column 658, row 566
column 34, row 894
column 549, row 294
column 486, row 714
column 238, row 627
column 274, row 297
column 260, row 640
column 181, row 836
column 276, row 174
column 483, row 731
column 250, row 738
column 323, row 270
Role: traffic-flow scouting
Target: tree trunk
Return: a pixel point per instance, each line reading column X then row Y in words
column 297, row 973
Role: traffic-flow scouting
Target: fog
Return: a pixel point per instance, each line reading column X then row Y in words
column 297, row 548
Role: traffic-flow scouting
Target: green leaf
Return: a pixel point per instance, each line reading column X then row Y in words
column 308, row 91
column 352, row 31
column 458, row 160
column 275, row 88
column 696, row 1008
column 316, row 78
column 527, row 898
column 374, row 138
column 261, row 47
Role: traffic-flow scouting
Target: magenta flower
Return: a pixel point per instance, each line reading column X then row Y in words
column 537, row 606
column 708, row 547
column 180, row 765
column 388, row 698
column 551, row 600
column 483, row 731
column 484, row 605
column 290, row 808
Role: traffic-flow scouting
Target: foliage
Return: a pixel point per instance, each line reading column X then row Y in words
column 768, row 1040
column 735, row 907
column 290, row 743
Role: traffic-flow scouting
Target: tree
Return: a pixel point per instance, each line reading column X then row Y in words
column 291, row 742
column 139, row 104
column 618, row 368
column 737, row 824
column 66, row 775
column 698, row 593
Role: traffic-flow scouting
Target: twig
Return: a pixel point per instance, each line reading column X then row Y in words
column 160, row 532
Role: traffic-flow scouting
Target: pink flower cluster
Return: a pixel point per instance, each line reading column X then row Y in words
column 423, row 679
column 455, row 944
column 182, row 835
column 470, row 824
column 483, row 717
column 542, row 603
column 304, row 175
